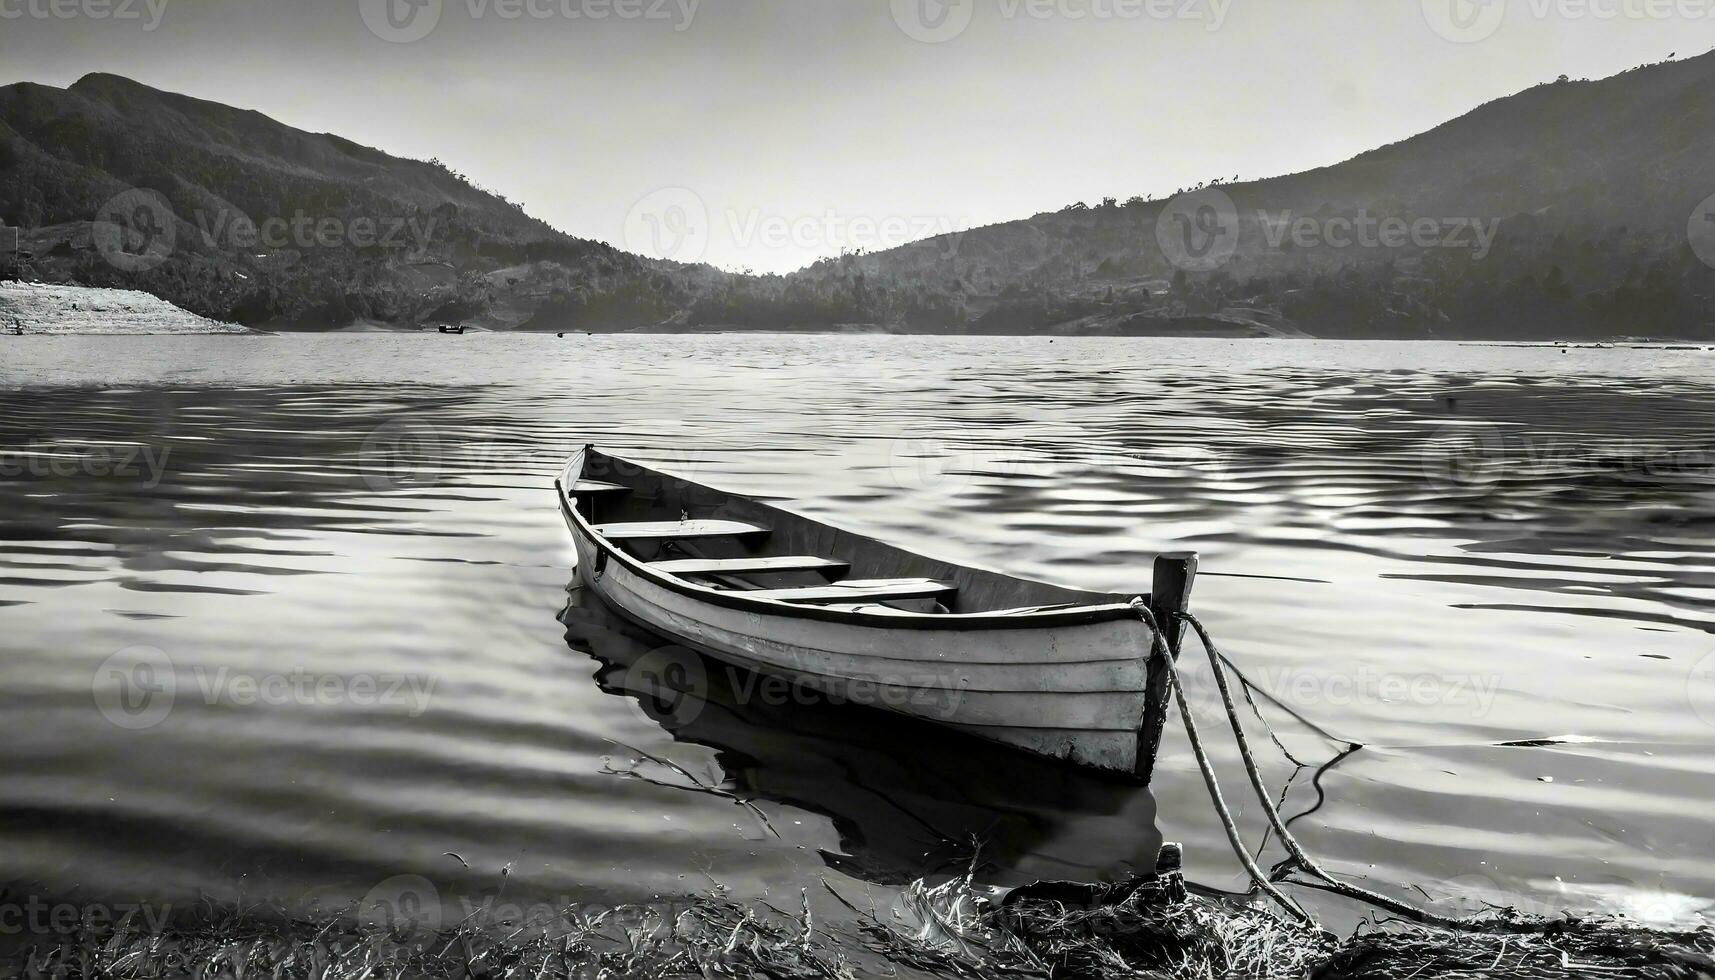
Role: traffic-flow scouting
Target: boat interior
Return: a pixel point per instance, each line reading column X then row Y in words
column 734, row 543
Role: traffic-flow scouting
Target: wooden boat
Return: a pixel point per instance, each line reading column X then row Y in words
column 1055, row 671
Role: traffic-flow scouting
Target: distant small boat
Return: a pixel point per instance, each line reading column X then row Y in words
column 452, row 328
column 1056, row 671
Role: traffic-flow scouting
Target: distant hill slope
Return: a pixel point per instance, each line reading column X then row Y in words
column 1587, row 186
column 233, row 215
column 1573, row 209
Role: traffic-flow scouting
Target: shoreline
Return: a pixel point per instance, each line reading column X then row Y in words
column 49, row 309
column 1151, row 925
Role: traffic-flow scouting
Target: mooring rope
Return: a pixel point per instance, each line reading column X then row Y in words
column 1301, row 857
column 1297, row 851
column 1248, row 686
column 1233, row 837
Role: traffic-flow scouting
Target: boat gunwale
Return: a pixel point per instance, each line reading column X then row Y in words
column 892, row 619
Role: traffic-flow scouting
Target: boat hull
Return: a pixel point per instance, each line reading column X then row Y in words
column 1072, row 684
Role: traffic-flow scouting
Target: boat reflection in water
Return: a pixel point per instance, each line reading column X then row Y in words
column 907, row 797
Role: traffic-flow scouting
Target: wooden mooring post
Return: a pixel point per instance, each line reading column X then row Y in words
column 1169, row 593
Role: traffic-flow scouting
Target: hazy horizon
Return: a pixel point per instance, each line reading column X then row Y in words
column 763, row 135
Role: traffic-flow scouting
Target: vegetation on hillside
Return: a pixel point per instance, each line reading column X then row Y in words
column 1568, row 210
column 232, row 215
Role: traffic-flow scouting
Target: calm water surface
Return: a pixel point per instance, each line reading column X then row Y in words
column 287, row 617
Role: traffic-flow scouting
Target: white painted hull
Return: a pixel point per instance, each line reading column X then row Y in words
column 1070, row 690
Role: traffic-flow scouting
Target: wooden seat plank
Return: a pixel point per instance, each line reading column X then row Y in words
column 749, row 566
column 670, row 530
column 875, row 590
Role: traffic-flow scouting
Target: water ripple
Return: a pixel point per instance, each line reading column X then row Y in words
column 1498, row 545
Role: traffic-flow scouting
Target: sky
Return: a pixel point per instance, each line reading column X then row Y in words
column 765, row 134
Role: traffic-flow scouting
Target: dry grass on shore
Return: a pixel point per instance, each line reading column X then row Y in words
column 949, row 931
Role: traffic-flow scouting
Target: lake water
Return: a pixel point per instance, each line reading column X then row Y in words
column 285, row 619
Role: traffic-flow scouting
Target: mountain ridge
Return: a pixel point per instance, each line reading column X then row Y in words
column 1564, row 210
column 1618, row 166
column 261, row 223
